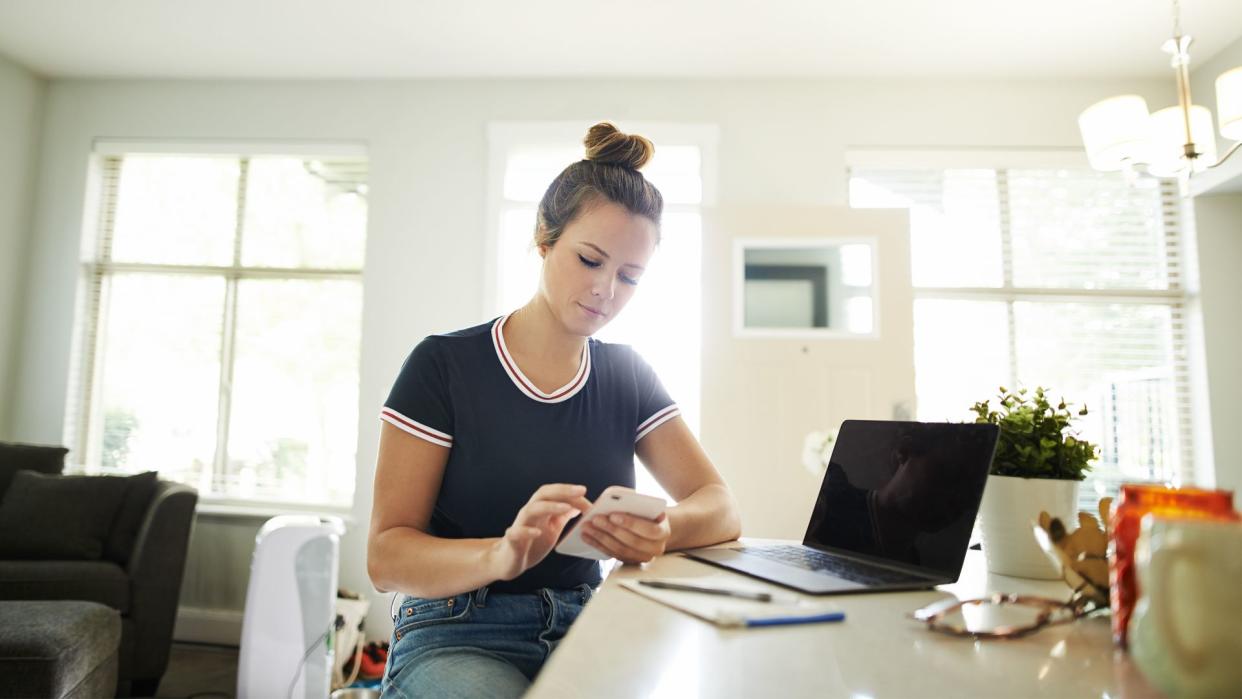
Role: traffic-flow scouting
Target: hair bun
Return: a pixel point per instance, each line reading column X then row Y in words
column 608, row 146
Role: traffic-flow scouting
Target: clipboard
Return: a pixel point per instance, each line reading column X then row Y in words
column 734, row 612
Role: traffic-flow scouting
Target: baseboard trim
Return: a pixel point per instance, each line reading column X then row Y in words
column 222, row 627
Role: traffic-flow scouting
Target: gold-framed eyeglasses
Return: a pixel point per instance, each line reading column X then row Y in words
column 1001, row 615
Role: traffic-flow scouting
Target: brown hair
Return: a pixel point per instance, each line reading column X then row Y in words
column 610, row 173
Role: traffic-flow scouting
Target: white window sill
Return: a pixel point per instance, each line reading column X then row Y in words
column 225, row 509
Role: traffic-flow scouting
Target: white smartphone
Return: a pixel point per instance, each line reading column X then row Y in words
column 615, row 498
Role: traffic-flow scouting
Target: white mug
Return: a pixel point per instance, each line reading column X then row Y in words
column 1186, row 632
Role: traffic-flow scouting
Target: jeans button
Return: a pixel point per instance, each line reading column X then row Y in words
column 409, row 612
column 450, row 604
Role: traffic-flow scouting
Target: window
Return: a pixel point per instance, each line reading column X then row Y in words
column 1060, row 277
column 662, row 321
column 220, row 321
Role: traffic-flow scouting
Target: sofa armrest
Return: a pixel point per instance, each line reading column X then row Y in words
column 155, row 569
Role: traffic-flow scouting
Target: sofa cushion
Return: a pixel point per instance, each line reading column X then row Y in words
column 139, row 490
column 58, row 517
column 28, row 457
column 97, row 581
column 49, row 649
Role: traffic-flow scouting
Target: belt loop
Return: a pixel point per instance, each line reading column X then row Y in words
column 550, row 598
column 480, row 597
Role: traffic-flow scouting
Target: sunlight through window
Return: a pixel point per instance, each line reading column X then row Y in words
column 221, row 324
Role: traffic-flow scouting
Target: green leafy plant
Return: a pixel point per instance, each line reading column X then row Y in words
column 1036, row 440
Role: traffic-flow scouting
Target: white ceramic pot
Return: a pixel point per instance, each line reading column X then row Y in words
column 1010, row 505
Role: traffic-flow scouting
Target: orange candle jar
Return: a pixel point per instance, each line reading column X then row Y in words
column 1136, row 501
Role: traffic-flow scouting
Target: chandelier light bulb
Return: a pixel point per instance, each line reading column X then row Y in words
column 1115, row 131
column 1229, row 103
column 1174, row 142
column 1168, row 138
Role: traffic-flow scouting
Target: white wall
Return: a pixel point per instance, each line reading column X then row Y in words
column 1218, row 223
column 781, row 142
column 21, row 106
column 1218, row 220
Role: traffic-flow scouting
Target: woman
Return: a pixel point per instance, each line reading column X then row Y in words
column 496, row 436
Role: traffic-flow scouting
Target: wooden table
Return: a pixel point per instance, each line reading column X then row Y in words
column 625, row 645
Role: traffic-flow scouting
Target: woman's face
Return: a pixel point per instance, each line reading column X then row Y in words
column 593, row 269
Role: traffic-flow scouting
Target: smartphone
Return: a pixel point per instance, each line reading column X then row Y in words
column 615, row 498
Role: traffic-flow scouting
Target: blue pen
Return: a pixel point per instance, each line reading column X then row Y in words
column 738, row 620
column 782, row 621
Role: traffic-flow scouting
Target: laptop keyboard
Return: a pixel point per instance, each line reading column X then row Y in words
column 809, row 559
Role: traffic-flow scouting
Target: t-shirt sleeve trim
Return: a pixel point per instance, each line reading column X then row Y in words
column 662, row 416
column 416, row 428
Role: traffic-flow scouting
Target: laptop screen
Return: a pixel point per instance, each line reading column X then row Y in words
column 905, row 492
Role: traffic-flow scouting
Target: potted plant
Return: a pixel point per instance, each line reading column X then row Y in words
column 1038, row 465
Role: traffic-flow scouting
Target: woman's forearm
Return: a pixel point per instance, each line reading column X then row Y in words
column 404, row 559
column 708, row 516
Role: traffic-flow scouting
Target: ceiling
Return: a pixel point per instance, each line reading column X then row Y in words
column 335, row 39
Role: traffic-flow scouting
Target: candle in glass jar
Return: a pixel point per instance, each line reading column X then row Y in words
column 1136, row 501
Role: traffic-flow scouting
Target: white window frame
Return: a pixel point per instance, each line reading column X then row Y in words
column 738, row 274
column 1180, row 296
column 503, row 137
column 97, row 266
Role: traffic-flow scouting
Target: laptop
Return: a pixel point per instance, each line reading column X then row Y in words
column 895, row 512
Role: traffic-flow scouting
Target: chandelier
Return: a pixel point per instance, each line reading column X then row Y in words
column 1120, row 134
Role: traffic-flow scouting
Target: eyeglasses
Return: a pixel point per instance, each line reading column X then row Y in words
column 1001, row 615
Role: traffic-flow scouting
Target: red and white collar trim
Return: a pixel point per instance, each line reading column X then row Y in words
column 527, row 386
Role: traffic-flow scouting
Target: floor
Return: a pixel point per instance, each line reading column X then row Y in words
column 200, row 671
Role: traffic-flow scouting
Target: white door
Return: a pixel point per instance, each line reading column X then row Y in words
column 764, row 390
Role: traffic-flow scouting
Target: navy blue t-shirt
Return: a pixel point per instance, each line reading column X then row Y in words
column 506, row 438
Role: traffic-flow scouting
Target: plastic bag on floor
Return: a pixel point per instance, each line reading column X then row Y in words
column 351, row 615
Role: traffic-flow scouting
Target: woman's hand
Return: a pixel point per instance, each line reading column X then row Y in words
column 627, row 538
column 537, row 528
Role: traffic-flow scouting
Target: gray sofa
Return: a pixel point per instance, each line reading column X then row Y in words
column 65, row 649
column 142, row 583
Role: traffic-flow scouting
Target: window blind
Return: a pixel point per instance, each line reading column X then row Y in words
column 1065, row 278
column 218, row 323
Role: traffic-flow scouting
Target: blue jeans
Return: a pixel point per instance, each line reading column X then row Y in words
column 478, row 643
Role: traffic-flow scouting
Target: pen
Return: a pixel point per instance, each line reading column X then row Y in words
column 781, row 621
column 743, row 594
